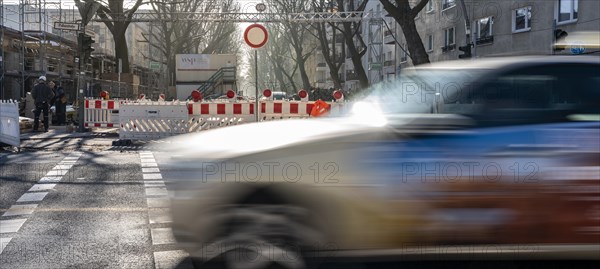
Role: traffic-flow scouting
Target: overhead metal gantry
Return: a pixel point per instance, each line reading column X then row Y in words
column 352, row 16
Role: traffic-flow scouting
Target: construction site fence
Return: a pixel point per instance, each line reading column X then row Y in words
column 149, row 120
column 10, row 132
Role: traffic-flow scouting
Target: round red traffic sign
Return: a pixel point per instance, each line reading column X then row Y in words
column 256, row 36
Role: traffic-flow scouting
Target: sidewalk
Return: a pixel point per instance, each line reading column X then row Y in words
column 60, row 132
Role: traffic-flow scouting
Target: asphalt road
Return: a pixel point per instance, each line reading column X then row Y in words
column 86, row 207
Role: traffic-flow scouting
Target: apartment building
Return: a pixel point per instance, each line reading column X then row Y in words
column 31, row 47
column 499, row 28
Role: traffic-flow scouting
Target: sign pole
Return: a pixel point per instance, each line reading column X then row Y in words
column 81, row 98
column 120, row 68
column 256, row 111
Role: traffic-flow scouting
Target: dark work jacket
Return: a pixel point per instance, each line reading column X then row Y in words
column 42, row 93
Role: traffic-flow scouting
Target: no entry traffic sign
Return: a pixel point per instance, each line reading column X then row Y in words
column 256, row 36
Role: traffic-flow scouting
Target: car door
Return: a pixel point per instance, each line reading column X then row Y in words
column 535, row 141
column 526, row 171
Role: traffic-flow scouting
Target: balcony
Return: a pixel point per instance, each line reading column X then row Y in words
column 389, row 67
column 449, row 48
column 485, row 40
column 351, row 76
column 388, row 37
column 448, row 4
column 321, row 66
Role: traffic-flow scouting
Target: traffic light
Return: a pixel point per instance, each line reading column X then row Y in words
column 85, row 45
column 467, row 51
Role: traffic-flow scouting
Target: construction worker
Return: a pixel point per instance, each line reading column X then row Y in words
column 42, row 94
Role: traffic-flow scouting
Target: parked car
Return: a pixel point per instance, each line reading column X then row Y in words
column 500, row 152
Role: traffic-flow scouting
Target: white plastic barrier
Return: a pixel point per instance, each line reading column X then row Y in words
column 204, row 116
column 101, row 113
column 277, row 110
column 145, row 120
column 152, row 120
column 10, row 132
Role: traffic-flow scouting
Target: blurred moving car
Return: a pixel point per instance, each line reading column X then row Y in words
column 501, row 152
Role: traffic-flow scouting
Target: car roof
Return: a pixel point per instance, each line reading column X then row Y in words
column 500, row 62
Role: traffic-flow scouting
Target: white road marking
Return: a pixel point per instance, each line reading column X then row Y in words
column 149, row 165
column 16, row 210
column 11, row 225
column 172, row 259
column 154, row 184
column 159, row 215
column 158, row 202
column 162, row 236
column 50, row 179
column 4, row 241
column 57, row 173
column 42, row 187
column 62, row 167
column 152, row 176
column 34, row 194
column 150, row 170
column 32, row 197
column 156, row 192
column 148, row 160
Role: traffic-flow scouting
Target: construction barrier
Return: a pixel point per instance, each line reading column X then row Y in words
column 101, row 113
column 209, row 115
column 10, row 132
column 152, row 120
column 146, row 120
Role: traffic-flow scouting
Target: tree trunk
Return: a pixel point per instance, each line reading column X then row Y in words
column 301, row 66
column 121, row 51
column 405, row 16
column 356, row 58
column 417, row 51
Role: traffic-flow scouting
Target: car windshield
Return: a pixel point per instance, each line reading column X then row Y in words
column 417, row 90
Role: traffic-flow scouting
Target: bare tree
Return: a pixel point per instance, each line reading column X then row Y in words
column 117, row 18
column 186, row 36
column 404, row 14
column 282, row 60
column 353, row 35
column 333, row 57
column 297, row 35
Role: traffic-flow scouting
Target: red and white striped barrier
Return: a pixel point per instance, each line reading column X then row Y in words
column 101, row 113
column 142, row 123
column 204, row 116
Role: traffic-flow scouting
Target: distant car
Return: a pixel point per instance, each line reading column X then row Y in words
column 279, row 95
column 496, row 152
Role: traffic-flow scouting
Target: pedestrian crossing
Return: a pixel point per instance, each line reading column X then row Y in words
column 159, row 218
column 15, row 217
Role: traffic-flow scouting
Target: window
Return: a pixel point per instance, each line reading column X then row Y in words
column 568, row 10
column 483, row 28
column 449, row 43
column 446, row 4
column 429, row 43
column 430, row 6
column 403, row 54
column 449, row 36
column 522, row 20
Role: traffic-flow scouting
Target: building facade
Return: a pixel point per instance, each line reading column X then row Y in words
column 32, row 46
column 499, row 28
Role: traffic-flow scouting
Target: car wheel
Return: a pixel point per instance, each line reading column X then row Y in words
column 262, row 236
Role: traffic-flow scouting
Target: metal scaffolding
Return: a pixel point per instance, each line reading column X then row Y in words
column 350, row 16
